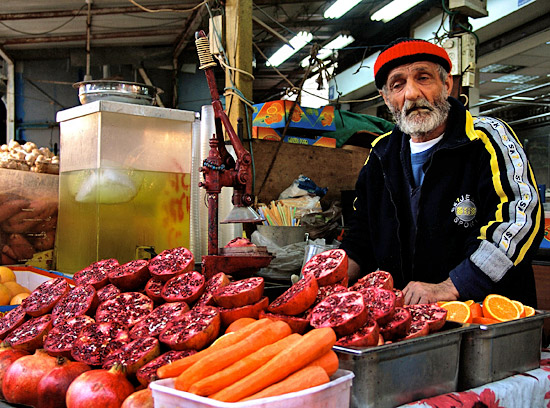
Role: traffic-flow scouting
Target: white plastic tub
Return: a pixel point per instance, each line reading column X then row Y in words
column 335, row 394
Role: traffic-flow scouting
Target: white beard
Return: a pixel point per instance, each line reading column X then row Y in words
column 418, row 123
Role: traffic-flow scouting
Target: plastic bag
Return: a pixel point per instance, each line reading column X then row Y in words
column 323, row 224
column 302, row 186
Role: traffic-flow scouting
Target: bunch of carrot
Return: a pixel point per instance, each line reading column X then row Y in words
column 262, row 359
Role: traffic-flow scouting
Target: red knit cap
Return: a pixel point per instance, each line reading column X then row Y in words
column 405, row 51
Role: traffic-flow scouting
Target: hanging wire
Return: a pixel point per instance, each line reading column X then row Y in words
column 49, row 31
column 135, row 3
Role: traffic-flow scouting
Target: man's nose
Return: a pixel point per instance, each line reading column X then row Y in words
column 412, row 91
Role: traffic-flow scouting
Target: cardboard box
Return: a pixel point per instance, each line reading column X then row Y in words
column 335, row 394
column 275, row 135
column 274, row 114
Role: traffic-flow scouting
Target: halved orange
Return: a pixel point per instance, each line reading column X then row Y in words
column 476, row 310
column 500, row 308
column 521, row 308
column 529, row 311
column 469, row 302
column 484, row 320
column 458, row 311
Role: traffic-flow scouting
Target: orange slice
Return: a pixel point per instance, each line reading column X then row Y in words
column 458, row 311
column 529, row 311
column 521, row 308
column 500, row 308
column 469, row 302
column 484, row 320
column 476, row 310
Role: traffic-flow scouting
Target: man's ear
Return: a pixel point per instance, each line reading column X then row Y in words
column 449, row 83
column 384, row 96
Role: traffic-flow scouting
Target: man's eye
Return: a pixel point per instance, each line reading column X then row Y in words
column 396, row 86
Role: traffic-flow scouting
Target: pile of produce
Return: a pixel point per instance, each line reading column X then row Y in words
column 28, row 157
column 494, row 309
column 11, row 292
column 122, row 326
column 27, row 226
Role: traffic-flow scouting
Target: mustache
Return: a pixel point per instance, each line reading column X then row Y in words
column 411, row 106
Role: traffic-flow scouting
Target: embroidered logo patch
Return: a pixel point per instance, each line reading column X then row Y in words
column 465, row 211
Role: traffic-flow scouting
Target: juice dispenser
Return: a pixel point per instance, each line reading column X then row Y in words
column 124, row 183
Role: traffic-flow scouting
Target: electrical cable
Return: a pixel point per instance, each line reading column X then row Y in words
column 45, row 32
column 135, row 3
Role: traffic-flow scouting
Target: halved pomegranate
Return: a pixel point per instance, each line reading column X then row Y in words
column 418, row 328
column 60, row 340
column 127, row 308
column 154, row 322
column 217, row 281
column 398, row 326
column 133, row 355
column 377, row 279
column 399, row 298
column 11, row 320
column 171, row 262
column 381, row 302
column 434, row 315
column 43, row 299
column 153, row 289
column 79, row 301
column 96, row 273
column 297, row 298
column 107, row 292
column 30, row 335
column 328, row 267
column 131, row 276
column 239, row 293
column 148, row 372
column 345, row 312
column 97, row 340
column 193, row 330
column 366, row 336
column 297, row 324
column 185, row 287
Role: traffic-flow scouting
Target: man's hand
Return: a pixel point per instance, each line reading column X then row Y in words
column 421, row 292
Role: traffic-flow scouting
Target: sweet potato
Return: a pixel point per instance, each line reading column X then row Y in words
column 307, row 377
column 310, row 347
column 225, row 357
column 177, row 367
column 238, row 370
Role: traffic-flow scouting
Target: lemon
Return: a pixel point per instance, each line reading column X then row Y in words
column 5, row 295
column 17, row 299
column 15, row 288
column 6, row 275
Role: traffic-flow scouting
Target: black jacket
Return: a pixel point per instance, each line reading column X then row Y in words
column 479, row 216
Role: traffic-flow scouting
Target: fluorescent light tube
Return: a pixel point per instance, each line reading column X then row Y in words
column 394, row 9
column 338, row 43
column 340, row 7
column 286, row 51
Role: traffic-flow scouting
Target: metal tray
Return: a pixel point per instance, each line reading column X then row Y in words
column 405, row 371
column 118, row 91
column 493, row 352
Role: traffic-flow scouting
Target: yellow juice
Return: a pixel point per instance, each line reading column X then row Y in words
column 118, row 213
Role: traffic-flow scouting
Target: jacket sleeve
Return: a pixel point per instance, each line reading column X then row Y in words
column 513, row 226
column 356, row 242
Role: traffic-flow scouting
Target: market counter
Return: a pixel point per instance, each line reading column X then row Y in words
column 529, row 389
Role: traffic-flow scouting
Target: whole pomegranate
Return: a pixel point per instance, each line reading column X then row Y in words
column 139, row 399
column 23, row 375
column 7, row 356
column 99, row 388
column 52, row 388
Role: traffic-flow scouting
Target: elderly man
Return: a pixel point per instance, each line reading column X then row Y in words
column 447, row 203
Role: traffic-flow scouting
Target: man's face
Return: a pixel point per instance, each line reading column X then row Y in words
column 417, row 98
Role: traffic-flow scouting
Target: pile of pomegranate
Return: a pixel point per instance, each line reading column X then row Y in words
column 101, row 341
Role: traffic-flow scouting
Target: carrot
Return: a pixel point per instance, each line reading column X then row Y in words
column 310, row 347
column 328, row 361
column 225, row 357
column 238, row 370
column 177, row 367
column 307, row 377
